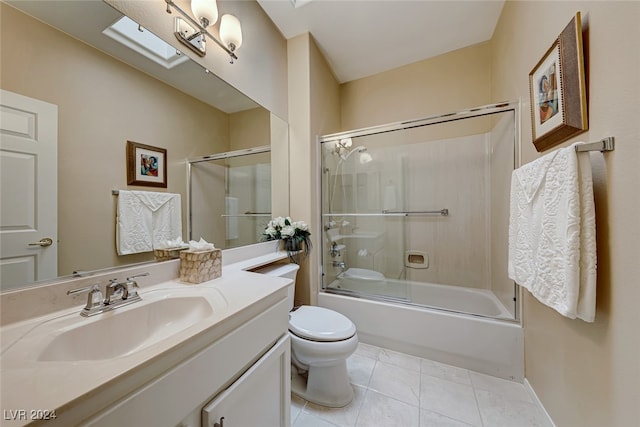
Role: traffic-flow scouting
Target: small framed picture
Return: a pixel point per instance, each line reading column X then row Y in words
column 558, row 90
column 146, row 165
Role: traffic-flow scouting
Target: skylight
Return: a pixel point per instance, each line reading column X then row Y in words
column 135, row 37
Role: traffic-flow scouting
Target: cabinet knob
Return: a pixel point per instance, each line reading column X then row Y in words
column 220, row 424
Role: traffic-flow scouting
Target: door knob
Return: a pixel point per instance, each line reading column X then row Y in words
column 44, row 242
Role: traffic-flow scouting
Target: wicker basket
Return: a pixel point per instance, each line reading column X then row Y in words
column 167, row 254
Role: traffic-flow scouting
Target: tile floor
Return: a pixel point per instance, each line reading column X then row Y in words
column 396, row 389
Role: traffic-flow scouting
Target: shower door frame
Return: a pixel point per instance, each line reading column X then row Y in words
column 484, row 110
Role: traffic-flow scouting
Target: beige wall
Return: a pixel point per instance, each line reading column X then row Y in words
column 250, row 128
column 587, row 374
column 102, row 103
column 313, row 111
column 446, row 83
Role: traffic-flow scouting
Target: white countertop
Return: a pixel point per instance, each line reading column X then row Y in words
column 30, row 384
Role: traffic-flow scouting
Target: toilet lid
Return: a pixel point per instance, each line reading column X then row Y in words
column 320, row 324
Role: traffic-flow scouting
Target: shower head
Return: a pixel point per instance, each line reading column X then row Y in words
column 364, row 157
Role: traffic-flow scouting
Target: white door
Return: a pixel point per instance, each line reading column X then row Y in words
column 28, row 190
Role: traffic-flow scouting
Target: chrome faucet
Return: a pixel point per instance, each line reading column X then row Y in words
column 334, row 252
column 339, row 264
column 116, row 288
column 117, row 294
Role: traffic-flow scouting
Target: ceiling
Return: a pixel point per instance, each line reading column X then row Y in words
column 360, row 38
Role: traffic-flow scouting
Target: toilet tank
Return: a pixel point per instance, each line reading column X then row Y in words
column 287, row 271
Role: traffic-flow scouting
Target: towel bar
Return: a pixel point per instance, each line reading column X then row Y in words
column 606, row 144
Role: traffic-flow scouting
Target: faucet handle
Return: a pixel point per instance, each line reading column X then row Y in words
column 137, row 275
column 132, row 285
column 94, row 298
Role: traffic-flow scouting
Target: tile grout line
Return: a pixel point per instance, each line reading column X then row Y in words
column 475, row 397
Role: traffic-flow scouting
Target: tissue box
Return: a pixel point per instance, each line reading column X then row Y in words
column 169, row 253
column 200, row 266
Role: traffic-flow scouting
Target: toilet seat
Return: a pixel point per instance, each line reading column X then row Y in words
column 320, row 324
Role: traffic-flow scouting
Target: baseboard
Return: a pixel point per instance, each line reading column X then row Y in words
column 537, row 401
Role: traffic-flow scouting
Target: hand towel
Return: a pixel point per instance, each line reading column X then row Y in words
column 552, row 247
column 146, row 220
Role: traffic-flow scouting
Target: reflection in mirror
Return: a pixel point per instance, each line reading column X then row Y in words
column 244, row 178
column 107, row 94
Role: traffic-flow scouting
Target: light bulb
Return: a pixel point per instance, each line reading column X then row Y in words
column 230, row 32
column 205, row 11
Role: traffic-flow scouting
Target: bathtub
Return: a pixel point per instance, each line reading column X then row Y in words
column 368, row 283
column 489, row 346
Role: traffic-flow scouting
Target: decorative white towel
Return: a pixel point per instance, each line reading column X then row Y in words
column 552, row 240
column 146, row 220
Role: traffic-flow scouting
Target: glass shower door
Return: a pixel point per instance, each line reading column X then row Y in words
column 230, row 198
column 420, row 215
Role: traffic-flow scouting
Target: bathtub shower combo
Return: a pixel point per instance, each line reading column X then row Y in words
column 415, row 231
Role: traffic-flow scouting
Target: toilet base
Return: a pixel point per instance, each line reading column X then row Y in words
column 324, row 386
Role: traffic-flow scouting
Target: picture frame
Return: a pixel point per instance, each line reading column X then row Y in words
column 557, row 90
column 146, row 165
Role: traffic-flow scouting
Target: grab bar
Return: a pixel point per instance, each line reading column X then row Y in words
column 443, row 212
column 243, row 215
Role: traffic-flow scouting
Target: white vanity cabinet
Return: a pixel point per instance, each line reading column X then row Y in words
column 243, row 376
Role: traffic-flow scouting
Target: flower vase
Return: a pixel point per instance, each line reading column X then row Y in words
column 292, row 245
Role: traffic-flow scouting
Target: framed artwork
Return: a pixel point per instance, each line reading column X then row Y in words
column 558, row 90
column 146, row 165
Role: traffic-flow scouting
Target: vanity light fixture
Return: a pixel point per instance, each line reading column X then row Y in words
column 193, row 32
column 230, row 32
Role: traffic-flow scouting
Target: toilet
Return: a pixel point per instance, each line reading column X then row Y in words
column 321, row 342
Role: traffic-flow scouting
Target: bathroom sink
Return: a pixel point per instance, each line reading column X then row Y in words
column 126, row 330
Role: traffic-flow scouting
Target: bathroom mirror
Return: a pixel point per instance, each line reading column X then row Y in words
column 107, row 94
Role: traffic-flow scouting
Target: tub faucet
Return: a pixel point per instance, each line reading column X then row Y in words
column 334, row 250
column 339, row 264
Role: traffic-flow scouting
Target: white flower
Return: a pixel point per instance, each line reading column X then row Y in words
column 279, row 221
column 287, row 231
column 300, row 225
column 270, row 230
